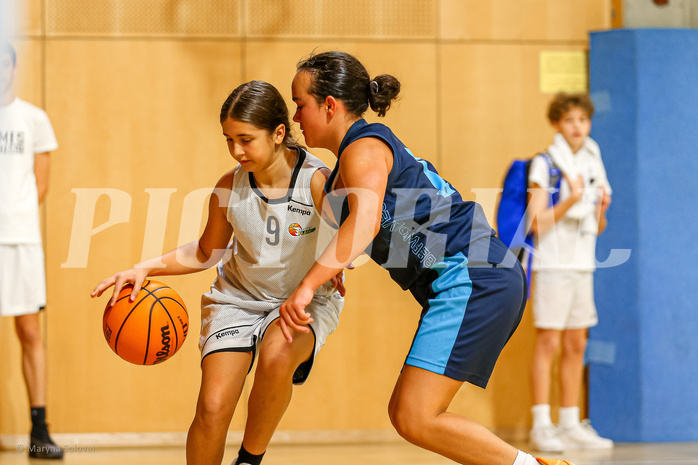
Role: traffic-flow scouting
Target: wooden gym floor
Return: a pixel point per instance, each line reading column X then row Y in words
column 376, row 454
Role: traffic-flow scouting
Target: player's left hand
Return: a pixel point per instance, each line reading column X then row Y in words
column 292, row 312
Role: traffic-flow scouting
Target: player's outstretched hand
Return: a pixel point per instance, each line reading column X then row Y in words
column 135, row 276
column 292, row 312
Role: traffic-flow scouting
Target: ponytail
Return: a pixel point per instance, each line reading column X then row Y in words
column 383, row 90
column 342, row 76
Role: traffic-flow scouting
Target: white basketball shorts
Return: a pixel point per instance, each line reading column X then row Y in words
column 564, row 299
column 22, row 279
column 234, row 323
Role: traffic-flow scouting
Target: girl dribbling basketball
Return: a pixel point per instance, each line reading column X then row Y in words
column 267, row 204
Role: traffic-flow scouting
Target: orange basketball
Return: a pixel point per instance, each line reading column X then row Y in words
column 150, row 329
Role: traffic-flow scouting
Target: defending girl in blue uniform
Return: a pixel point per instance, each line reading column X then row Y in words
column 444, row 252
column 396, row 207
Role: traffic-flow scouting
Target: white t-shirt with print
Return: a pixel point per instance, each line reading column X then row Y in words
column 25, row 130
column 570, row 244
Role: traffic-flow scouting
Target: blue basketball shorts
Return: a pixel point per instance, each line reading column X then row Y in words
column 469, row 313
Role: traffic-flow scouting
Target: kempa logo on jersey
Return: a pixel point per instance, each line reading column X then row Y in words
column 296, row 230
column 293, row 209
column 228, row 333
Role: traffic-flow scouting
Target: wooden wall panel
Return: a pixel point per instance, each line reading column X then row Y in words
column 493, row 111
column 413, row 117
column 349, row 19
column 573, row 20
column 135, row 106
column 109, row 18
column 523, row 20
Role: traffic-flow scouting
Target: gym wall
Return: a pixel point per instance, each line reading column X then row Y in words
column 134, row 90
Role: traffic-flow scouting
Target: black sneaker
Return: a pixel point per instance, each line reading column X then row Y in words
column 44, row 450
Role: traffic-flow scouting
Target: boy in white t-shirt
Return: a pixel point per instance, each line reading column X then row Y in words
column 563, row 265
column 26, row 138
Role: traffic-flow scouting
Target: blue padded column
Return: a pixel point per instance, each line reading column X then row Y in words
column 643, row 356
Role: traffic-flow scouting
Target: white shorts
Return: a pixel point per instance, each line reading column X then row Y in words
column 564, row 299
column 22, row 279
column 231, row 324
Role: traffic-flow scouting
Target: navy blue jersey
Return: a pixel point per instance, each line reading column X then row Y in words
column 424, row 218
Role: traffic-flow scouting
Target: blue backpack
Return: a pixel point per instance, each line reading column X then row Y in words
column 511, row 213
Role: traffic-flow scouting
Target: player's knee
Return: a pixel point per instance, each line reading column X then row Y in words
column 212, row 409
column 406, row 421
column 29, row 335
column 549, row 343
column 276, row 364
column 278, row 359
column 575, row 345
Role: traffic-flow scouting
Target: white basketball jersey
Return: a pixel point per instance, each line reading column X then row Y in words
column 276, row 240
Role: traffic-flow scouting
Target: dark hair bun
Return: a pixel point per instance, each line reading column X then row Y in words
column 383, row 90
column 342, row 76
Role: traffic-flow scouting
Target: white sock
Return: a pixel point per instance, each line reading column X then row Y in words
column 569, row 417
column 522, row 458
column 541, row 415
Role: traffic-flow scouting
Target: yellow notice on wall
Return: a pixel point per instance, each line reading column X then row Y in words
column 563, row 72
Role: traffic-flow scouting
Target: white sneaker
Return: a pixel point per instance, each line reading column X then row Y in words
column 546, row 439
column 583, row 436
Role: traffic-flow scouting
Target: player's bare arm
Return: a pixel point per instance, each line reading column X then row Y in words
column 364, row 169
column 42, row 163
column 189, row 258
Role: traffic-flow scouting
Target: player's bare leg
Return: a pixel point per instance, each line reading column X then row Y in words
column 33, row 357
column 547, row 343
column 574, row 342
column 575, row 434
column 28, row 330
column 273, row 384
column 222, row 379
column 418, row 412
